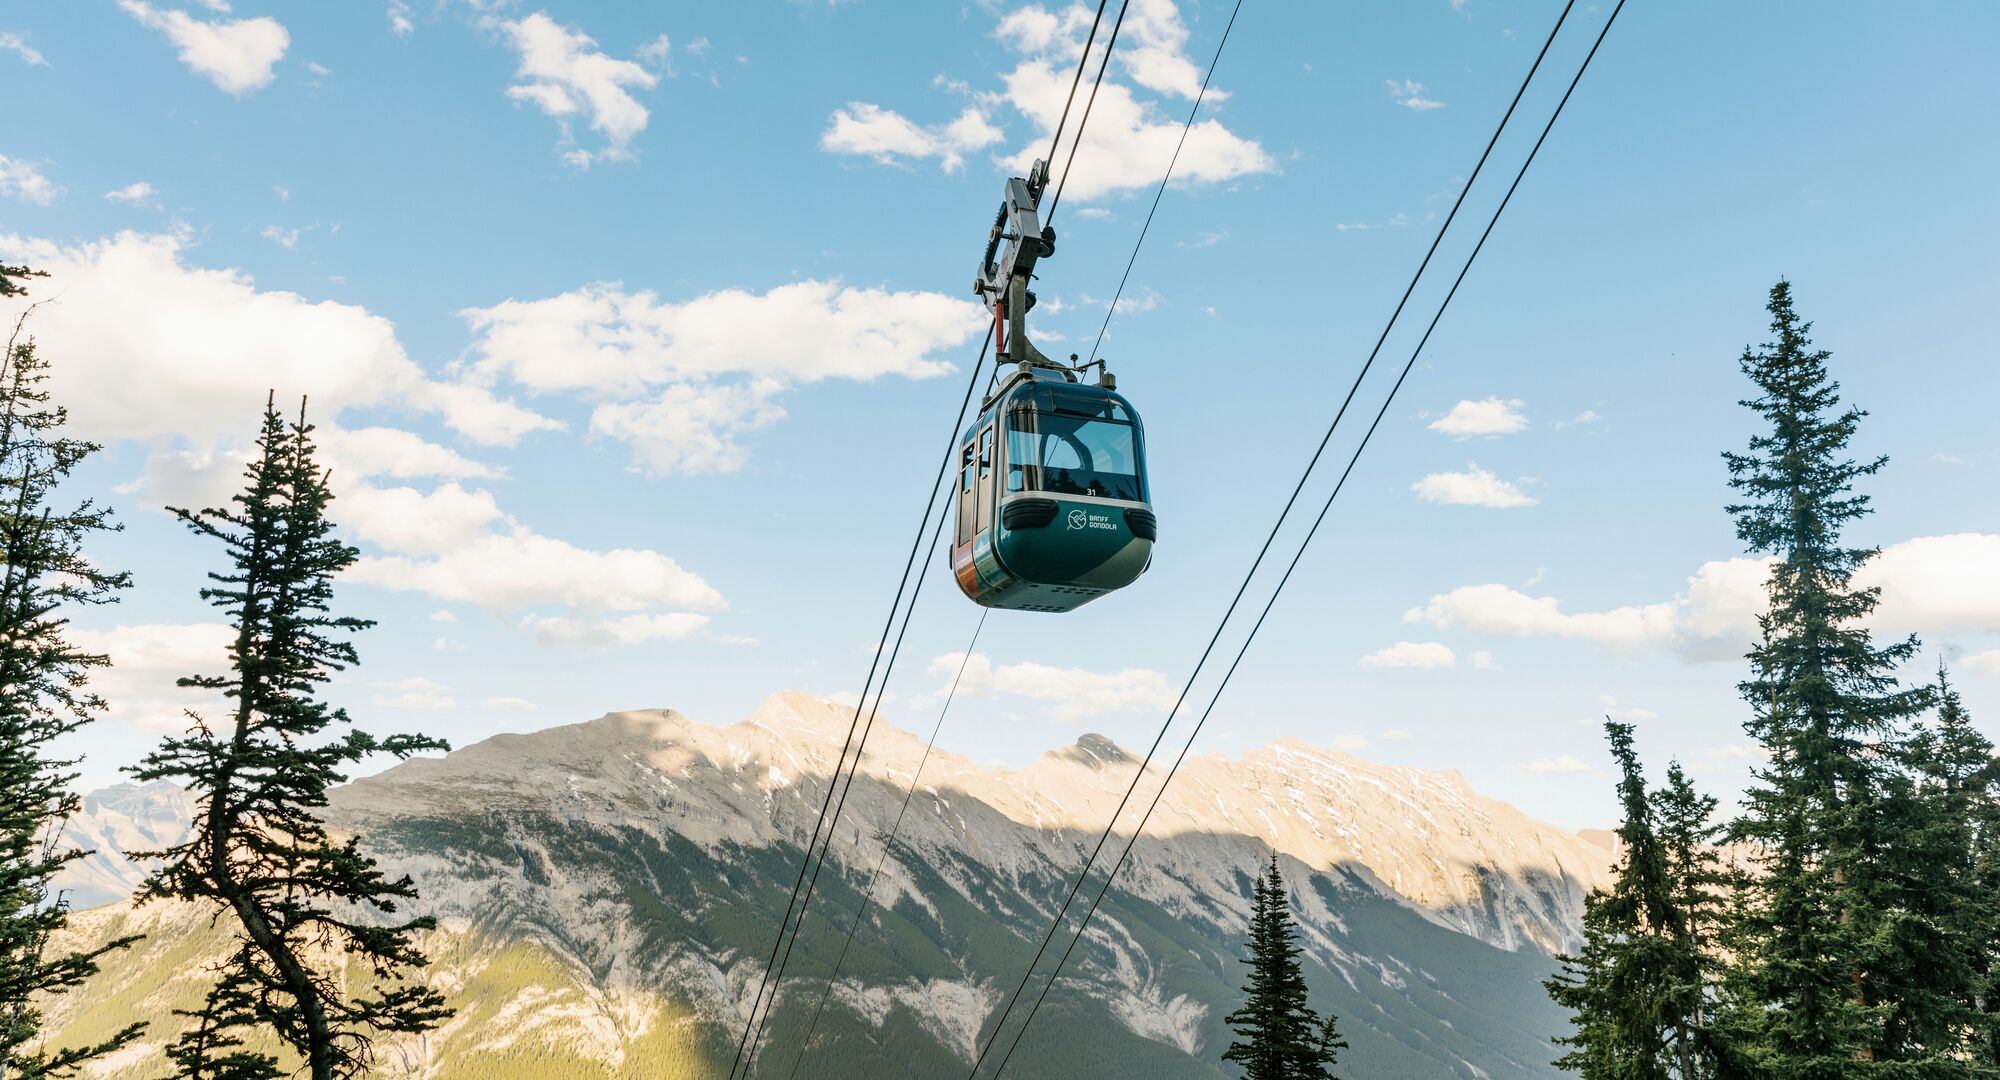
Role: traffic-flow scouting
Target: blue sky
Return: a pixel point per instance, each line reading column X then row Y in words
column 635, row 333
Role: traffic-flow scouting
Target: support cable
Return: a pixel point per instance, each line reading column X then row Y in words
column 1256, row 564
column 916, row 544
column 1171, row 162
column 853, row 773
column 1310, row 533
column 1109, row 44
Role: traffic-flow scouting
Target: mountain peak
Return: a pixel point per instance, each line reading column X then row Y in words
column 1095, row 751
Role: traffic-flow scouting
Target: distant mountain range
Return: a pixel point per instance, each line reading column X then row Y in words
column 608, row 892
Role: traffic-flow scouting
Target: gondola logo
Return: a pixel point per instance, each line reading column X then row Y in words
column 1078, row 519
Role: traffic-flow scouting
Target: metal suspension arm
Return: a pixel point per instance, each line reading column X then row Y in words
column 1002, row 284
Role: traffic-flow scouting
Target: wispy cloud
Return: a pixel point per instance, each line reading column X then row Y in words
column 22, row 180
column 138, row 193
column 18, row 43
column 1423, row 655
column 1410, row 95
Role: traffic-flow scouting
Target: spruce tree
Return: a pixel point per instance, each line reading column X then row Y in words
column 43, row 696
column 1618, row 985
column 301, row 900
column 1279, row 1036
column 1944, row 937
column 1696, row 912
column 1811, row 986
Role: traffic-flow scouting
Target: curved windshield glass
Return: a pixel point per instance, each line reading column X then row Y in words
column 1073, row 455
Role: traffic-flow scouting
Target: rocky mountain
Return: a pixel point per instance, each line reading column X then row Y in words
column 608, row 892
column 114, row 823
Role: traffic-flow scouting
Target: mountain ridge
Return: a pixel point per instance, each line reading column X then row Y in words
column 642, row 859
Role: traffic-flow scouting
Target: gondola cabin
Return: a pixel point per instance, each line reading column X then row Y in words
column 1052, row 501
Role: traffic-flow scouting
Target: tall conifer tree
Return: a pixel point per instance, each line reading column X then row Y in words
column 300, row 898
column 1637, row 988
column 1812, row 982
column 43, row 696
column 1279, row 1036
column 1944, row 937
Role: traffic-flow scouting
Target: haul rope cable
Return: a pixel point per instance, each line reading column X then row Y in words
column 1264, row 550
column 1310, row 533
column 868, row 893
column 750, row 1022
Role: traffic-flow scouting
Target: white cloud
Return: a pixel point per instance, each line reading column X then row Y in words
column 1074, row 694
column 1987, row 662
column 442, row 615
column 379, row 451
column 1130, row 137
column 1934, row 583
column 522, row 569
column 510, row 704
column 1474, row 487
column 400, row 23
column 679, row 382
column 1560, row 765
column 411, row 522
column 563, row 74
column 602, row 338
column 689, row 429
column 154, row 347
column 1489, row 417
column 284, row 238
column 13, row 42
column 1587, row 416
column 1410, row 95
column 1930, row 585
column 414, row 692
column 237, row 55
column 561, row 631
column 1411, row 654
column 1398, row 735
column 138, row 193
column 22, row 180
column 887, row 135
column 146, row 659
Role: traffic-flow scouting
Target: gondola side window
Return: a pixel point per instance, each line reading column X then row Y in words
column 965, row 479
column 1073, row 455
column 985, row 492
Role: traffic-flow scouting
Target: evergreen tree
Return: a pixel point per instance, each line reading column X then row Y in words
column 260, row 851
column 1696, row 912
column 13, row 278
column 1813, row 985
column 1944, row 937
column 1637, row 988
column 43, row 696
column 1279, row 1036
